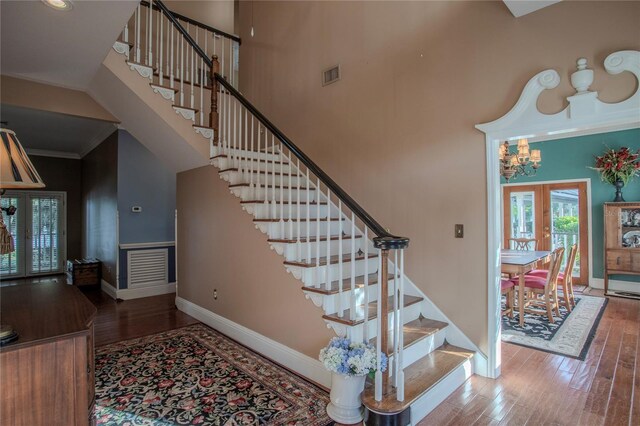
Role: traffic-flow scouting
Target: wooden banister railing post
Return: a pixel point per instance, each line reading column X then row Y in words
column 384, row 314
column 213, row 117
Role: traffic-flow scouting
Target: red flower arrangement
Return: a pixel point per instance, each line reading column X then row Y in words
column 618, row 165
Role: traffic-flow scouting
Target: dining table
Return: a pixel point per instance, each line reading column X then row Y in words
column 519, row 262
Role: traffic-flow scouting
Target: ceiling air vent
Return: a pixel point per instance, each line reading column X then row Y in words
column 331, row 75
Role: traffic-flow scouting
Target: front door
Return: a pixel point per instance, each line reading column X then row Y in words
column 553, row 214
column 38, row 230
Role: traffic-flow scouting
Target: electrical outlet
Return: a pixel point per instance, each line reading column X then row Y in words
column 215, row 294
column 459, row 231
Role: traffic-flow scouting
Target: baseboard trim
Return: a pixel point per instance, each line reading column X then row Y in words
column 109, row 289
column 289, row 358
column 615, row 285
column 136, row 293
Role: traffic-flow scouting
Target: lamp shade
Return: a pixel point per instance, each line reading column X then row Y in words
column 16, row 170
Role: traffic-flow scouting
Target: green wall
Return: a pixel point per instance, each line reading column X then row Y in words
column 570, row 158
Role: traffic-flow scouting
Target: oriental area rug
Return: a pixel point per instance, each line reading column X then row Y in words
column 196, row 376
column 570, row 335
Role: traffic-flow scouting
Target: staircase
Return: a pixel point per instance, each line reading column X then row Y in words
column 348, row 264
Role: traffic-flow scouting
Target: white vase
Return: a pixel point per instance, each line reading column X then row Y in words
column 345, row 405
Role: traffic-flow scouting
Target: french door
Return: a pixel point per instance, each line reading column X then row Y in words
column 555, row 215
column 38, row 230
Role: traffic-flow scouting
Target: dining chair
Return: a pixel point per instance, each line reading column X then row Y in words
column 523, row 244
column 543, row 290
column 565, row 279
column 507, row 288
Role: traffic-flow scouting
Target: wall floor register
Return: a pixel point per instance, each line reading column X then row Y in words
column 84, row 272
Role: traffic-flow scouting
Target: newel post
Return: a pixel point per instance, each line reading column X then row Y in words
column 213, row 118
column 384, row 314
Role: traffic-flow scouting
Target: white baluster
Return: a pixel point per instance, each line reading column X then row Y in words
column 187, row 54
column 400, row 379
column 138, row 34
column 308, row 186
column 340, row 304
column 234, row 149
column 298, row 244
column 231, row 79
column 181, row 37
column 240, row 147
column 257, row 185
column 171, row 74
column 252, row 189
column 290, row 197
column 222, row 58
column 366, row 285
column 328, row 263
column 158, row 29
column 395, row 328
column 274, row 205
column 282, row 227
column 202, row 93
column 126, row 38
column 317, row 280
column 247, row 154
column 353, row 267
column 378, row 374
column 160, row 41
column 192, row 61
column 266, row 169
column 147, row 52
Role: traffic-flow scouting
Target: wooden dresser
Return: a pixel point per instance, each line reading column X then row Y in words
column 47, row 375
column 622, row 240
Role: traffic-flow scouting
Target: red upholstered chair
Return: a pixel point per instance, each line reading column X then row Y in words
column 544, row 289
column 565, row 280
column 507, row 288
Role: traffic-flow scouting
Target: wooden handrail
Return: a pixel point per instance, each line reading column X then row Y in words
column 384, row 239
column 198, row 24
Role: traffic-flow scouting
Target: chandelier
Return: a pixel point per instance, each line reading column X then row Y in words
column 522, row 163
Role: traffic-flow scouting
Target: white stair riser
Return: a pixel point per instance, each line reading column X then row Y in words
column 277, row 193
column 299, row 251
column 261, row 211
column 423, row 347
column 312, row 276
column 248, row 155
column 237, row 161
column 356, row 333
column 273, row 229
column 262, row 180
column 330, row 302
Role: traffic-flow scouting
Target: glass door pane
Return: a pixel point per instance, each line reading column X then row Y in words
column 523, row 216
column 565, row 223
column 12, row 264
column 44, row 248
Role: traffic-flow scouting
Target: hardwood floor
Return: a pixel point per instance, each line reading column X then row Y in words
column 536, row 388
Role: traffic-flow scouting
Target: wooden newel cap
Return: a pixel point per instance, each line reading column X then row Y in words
column 391, row 243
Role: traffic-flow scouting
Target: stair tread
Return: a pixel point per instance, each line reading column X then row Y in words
column 262, row 160
column 419, row 378
column 414, row 331
column 235, row 169
column 126, row 42
column 235, row 185
column 312, row 203
column 311, row 239
column 332, row 260
column 202, row 127
column 324, row 219
column 346, row 284
column 184, row 107
column 373, row 311
column 163, row 86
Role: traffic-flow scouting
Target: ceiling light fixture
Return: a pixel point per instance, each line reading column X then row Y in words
column 64, row 5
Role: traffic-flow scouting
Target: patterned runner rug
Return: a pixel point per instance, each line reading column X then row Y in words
column 196, row 376
column 570, row 335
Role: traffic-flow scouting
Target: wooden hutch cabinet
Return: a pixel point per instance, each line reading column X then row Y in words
column 47, row 373
column 622, row 240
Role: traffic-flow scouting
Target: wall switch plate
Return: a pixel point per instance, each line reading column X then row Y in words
column 215, row 294
column 136, row 209
column 459, row 230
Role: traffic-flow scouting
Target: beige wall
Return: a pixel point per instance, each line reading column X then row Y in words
column 398, row 130
column 219, row 248
column 218, row 14
column 44, row 97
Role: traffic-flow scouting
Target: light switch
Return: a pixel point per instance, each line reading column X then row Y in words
column 459, row 230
